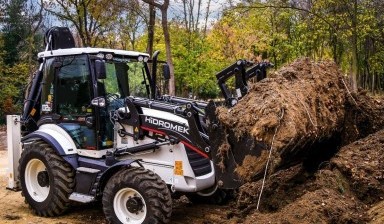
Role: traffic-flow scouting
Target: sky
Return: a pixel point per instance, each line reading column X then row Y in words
column 216, row 8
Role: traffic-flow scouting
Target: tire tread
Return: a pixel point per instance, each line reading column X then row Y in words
column 147, row 182
column 63, row 175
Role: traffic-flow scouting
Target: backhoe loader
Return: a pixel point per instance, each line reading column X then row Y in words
column 96, row 126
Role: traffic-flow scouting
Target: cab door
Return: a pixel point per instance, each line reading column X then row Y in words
column 69, row 96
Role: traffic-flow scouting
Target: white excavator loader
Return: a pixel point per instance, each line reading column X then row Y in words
column 95, row 126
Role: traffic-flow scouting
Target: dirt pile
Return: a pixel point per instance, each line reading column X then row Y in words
column 364, row 115
column 341, row 191
column 362, row 164
column 304, row 111
column 296, row 108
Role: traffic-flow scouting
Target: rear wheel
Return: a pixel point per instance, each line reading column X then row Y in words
column 137, row 195
column 46, row 179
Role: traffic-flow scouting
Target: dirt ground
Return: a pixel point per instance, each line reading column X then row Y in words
column 347, row 189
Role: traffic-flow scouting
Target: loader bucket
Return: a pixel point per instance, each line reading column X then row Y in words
column 228, row 151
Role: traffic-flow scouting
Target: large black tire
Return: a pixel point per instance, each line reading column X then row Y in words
column 140, row 187
column 46, row 179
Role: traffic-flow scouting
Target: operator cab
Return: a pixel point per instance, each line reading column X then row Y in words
column 75, row 78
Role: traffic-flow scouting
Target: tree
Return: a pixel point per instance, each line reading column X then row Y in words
column 133, row 19
column 89, row 17
column 151, row 28
column 20, row 34
column 341, row 30
column 2, row 10
column 14, row 31
column 167, row 39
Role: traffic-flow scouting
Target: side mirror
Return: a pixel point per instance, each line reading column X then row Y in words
column 98, row 102
column 166, row 72
column 101, row 71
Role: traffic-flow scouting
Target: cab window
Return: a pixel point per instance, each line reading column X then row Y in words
column 72, row 93
column 136, row 79
column 125, row 79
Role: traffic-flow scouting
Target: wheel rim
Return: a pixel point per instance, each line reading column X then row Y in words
column 36, row 191
column 122, row 212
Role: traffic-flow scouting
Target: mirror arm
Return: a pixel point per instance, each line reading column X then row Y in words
column 100, row 69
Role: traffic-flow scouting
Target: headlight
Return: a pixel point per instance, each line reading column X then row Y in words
column 140, row 58
column 109, row 56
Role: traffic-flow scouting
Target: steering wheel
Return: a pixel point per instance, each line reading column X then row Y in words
column 111, row 97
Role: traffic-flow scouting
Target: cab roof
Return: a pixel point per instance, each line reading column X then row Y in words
column 88, row 50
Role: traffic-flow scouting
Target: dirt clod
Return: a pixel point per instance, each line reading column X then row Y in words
column 12, row 217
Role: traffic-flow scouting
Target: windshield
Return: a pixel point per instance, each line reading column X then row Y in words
column 126, row 78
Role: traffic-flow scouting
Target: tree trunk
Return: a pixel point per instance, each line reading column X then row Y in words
column 167, row 39
column 354, row 65
column 206, row 18
column 164, row 23
column 185, row 14
column 151, row 28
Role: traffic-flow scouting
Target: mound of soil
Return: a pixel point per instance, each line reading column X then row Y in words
column 341, row 191
column 364, row 115
column 293, row 110
column 362, row 164
column 304, row 111
column 296, row 196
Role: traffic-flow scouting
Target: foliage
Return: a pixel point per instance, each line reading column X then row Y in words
column 19, row 37
column 13, row 31
column 92, row 19
column 12, row 82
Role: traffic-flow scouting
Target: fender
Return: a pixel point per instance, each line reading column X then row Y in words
column 107, row 174
column 116, row 167
column 46, row 138
column 58, row 139
column 107, row 171
column 56, row 136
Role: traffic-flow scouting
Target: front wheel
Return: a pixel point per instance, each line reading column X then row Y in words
column 137, row 195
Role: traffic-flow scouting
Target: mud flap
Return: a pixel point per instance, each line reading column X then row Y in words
column 228, row 151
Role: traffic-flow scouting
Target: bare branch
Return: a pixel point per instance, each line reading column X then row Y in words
column 152, row 2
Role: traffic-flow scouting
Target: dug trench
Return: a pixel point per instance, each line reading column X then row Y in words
column 327, row 160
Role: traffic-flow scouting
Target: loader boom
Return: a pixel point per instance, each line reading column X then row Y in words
column 242, row 71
